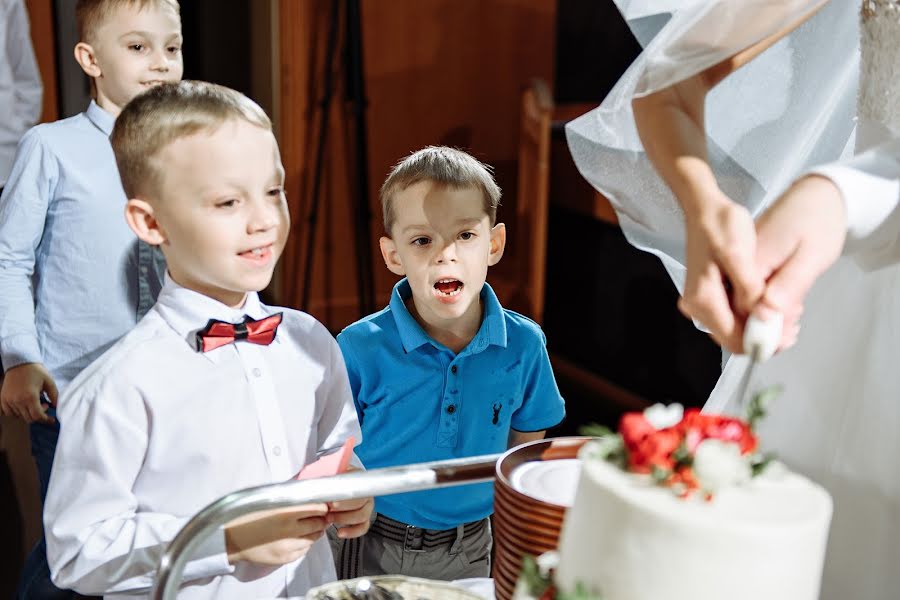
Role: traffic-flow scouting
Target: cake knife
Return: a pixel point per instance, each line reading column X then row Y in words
column 760, row 342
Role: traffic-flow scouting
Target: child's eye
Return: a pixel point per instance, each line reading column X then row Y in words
column 466, row 235
column 421, row 241
column 136, row 47
column 227, row 203
column 174, row 49
column 278, row 191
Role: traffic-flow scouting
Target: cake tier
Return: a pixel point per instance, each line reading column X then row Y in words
column 628, row 539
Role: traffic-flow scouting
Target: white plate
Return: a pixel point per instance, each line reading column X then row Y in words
column 552, row 481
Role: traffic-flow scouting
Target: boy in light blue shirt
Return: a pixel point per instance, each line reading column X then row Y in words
column 73, row 277
column 443, row 372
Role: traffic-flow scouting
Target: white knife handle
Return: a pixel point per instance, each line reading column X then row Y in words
column 761, row 337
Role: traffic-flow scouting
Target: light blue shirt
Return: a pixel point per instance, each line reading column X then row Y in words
column 73, row 276
column 418, row 401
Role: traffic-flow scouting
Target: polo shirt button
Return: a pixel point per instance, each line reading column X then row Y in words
column 453, row 369
column 257, row 372
column 276, row 450
column 451, row 409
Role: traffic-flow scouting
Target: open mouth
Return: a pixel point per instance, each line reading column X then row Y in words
column 448, row 287
column 260, row 254
column 152, row 83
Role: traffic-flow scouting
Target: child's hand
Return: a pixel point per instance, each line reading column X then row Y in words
column 351, row 516
column 20, row 395
column 275, row 537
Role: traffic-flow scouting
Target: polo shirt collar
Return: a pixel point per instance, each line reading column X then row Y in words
column 411, row 333
column 493, row 325
column 99, row 117
column 491, row 331
column 187, row 312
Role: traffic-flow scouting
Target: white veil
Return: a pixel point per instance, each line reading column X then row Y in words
column 789, row 109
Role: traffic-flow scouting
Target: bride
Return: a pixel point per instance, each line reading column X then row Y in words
column 733, row 100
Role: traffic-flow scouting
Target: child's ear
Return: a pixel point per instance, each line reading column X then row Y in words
column 391, row 258
column 498, row 244
column 87, row 60
column 140, row 217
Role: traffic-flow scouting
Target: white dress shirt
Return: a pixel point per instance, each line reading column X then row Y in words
column 20, row 82
column 870, row 186
column 154, row 430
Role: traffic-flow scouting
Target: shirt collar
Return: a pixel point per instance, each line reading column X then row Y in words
column 99, row 117
column 412, row 336
column 187, row 311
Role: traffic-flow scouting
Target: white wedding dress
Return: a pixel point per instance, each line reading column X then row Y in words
column 838, row 419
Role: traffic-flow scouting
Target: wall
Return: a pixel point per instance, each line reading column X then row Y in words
column 436, row 72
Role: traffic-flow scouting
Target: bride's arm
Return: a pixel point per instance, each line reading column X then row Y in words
column 870, row 187
column 804, row 231
column 720, row 234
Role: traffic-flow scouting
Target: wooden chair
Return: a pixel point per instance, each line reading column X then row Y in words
column 520, row 286
column 524, row 288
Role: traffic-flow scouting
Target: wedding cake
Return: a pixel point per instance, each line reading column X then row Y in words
column 680, row 506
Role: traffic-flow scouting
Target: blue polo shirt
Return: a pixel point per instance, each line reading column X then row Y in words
column 418, row 401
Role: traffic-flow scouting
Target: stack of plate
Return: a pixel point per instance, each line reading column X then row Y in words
column 535, row 485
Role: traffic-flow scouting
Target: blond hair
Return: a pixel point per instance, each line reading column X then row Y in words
column 444, row 166
column 90, row 14
column 168, row 112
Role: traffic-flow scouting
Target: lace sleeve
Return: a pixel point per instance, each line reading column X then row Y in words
column 879, row 89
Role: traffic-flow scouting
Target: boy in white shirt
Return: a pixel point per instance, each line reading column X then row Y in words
column 176, row 415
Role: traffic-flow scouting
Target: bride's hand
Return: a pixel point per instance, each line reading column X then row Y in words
column 798, row 238
column 721, row 247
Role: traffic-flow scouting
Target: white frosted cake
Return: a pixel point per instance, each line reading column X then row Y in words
column 628, row 538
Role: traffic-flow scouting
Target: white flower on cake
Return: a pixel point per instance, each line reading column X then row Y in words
column 719, row 464
column 548, row 561
column 662, row 416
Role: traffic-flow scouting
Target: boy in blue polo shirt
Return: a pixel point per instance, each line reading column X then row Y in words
column 444, row 371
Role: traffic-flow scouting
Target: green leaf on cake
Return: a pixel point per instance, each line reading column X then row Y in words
column 608, row 445
column 580, row 593
column 595, row 430
column 759, row 404
column 682, row 455
column 659, row 475
column 535, row 581
column 539, row 584
column 759, row 463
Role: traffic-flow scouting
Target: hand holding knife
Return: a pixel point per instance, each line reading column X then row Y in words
column 760, row 341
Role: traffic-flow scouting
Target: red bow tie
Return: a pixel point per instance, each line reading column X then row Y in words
column 219, row 333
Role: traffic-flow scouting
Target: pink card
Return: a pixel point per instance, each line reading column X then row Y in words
column 330, row 464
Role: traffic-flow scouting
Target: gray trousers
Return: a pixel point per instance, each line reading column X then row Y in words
column 394, row 548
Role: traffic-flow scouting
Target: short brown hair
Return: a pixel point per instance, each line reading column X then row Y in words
column 444, row 166
column 90, row 14
column 168, row 112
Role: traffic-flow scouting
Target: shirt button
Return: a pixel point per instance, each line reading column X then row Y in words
column 451, row 409
column 276, row 450
column 453, row 369
column 257, row 372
